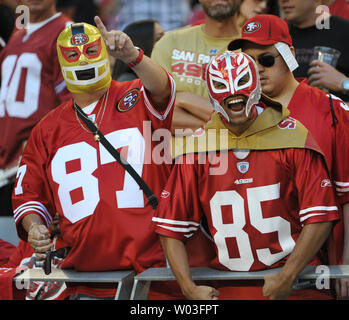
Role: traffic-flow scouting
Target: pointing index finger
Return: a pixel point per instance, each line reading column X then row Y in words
column 101, row 27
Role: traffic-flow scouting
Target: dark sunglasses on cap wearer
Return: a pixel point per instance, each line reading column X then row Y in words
column 267, row 60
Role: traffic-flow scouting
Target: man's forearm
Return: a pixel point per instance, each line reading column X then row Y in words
column 176, row 254
column 195, row 104
column 346, row 233
column 154, row 79
column 279, row 285
column 30, row 219
column 308, row 244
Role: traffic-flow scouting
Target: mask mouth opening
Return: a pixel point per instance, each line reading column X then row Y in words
column 85, row 74
column 236, row 102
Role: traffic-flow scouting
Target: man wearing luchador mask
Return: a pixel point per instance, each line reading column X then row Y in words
column 103, row 214
column 267, row 207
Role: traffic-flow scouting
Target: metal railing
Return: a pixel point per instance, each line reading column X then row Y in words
column 136, row 287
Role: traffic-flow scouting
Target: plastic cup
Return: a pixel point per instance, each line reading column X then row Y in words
column 327, row 55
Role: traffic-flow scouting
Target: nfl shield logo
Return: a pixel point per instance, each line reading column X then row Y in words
column 243, row 166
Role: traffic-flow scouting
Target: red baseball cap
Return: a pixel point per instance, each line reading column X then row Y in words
column 263, row 29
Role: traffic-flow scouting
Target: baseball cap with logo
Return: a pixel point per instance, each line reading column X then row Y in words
column 266, row 30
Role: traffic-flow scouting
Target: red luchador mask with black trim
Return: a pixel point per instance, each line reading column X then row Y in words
column 233, row 74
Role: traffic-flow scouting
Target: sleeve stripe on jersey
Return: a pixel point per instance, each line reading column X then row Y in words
column 175, row 222
column 342, row 184
column 59, row 87
column 170, row 104
column 333, row 208
column 311, row 215
column 187, row 231
column 178, row 229
column 33, row 206
column 342, row 190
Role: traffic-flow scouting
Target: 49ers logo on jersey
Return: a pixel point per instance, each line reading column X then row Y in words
column 165, row 194
column 289, row 123
column 128, row 101
column 326, row 183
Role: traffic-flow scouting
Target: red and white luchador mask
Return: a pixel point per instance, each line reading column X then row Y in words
column 232, row 74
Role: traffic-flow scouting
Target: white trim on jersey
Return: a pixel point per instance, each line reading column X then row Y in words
column 191, row 226
column 342, row 184
column 2, row 42
column 315, row 211
column 170, row 104
column 321, row 208
column 35, row 207
column 33, row 27
column 175, row 222
column 184, row 230
column 59, row 87
column 311, row 215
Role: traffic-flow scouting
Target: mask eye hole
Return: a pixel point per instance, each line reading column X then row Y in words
column 244, row 80
column 219, row 85
column 93, row 50
column 70, row 54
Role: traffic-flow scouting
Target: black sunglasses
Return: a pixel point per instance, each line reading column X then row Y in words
column 267, row 60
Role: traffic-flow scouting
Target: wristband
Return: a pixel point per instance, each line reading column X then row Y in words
column 138, row 60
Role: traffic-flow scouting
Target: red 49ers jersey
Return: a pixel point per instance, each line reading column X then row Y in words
column 104, row 215
column 31, row 85
column 311, row 106
column 255, row 210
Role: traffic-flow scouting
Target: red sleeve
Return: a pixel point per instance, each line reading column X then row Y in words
column 23, row 250
column 340, row 150
column 6, row 250
column 317, row 202
column 32, row 191
column 179, row 212
column 158, row 113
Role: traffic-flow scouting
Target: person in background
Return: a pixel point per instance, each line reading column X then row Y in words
column 187, row 51
column 31, row 86
column 144, row 34
column 267, row 40
column 250, row 8
column 312, row 26
column 171, row 14
column 186, row 59
column 259, row 219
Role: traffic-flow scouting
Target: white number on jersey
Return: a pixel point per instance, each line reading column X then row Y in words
column 25, row 69
column 264, row 225
column 129, row 197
